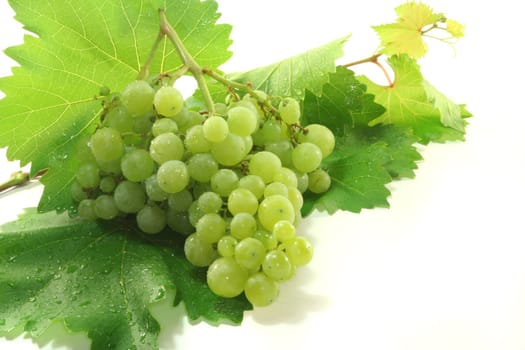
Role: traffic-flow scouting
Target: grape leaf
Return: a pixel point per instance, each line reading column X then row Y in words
column 98, row 278
column 365, row 158
column 414, row 103
column 81, row 47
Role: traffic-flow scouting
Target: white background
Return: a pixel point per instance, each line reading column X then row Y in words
column 444, row 267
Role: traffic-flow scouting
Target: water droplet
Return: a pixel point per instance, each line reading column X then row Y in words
column 32, row 299
column 57, row 276
column 12, row 259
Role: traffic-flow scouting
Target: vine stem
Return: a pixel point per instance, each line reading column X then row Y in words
column 375, row 60
column 19, row 178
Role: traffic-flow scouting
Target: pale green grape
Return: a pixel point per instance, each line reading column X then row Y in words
column 276, row 188
column 242, row 200
column 168, row 101
column 276, row 265
column 215, row 129
column 83, row 152
column 320, row 136
column 143, row 124
column 164, row 125
column 88, row 175
column 224, row 182
column 129, row 197
column 296, row 198
column 151, row 219
column 137, row 97
column 194, row 118
column 221, row 109
column 260, row 290
column 195, row 213
column 165, row 147
column 153, row 190
column 299, row 251
column 229, row 151
column 105, row 207
column 180, row 201
column 226, row 277
column 210, row 228
column 179, row 222
column 254, row 184
column 273, row 209
column 286, row 176
column 271, row 131
column 306, row 157
column 106, row 145
column 226, row 246
column 110, row 168
column 302, row 182
column 249, row 253
column 197, row 252
column 202, row 167
column 319, row 181
column 264, row 164
column 282, row 149
column 209, row 202
column 284, row 231
column 137, row 165
column 290, row 110
column 86, row 209
column 107, row 184
column 119, row 119
column 267, row 238
column 243, row 225
column 77, row 192
column 172, row 176
column 195, row 141
column 242, row 121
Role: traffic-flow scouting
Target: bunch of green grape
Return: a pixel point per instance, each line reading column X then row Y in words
column 231, row 182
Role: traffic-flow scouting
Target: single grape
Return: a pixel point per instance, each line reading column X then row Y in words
column 242, row 121
column 221, row 109
column 306, row 157
column 249, row 253
column 230, row 151
column 320, row 136
column 167, row 146
column 273, row 209
column 282, row 149
column 163, row 126
column 215, row 129
column 137, row 97
column 267, row 238
column 143, row 124
column 86, row 209
column 168, row 101
column 209, row 202
column 276, row 188
column 110, row 168
column 254, row 184
column 286, row 176
column 198, row 252
column 180, row 201
column 195, row 141
column 107, row 145
column 302, row 182
column 129, row 197
column 290, row 110
column 202, row 167
column 137, row 165
column 226, row 246
column 179, row 222
column 151, row 219
column 276, row 265
column 210, row 228
column 271, row 131
column 224, row 182
column 284, row 231
column 195, row 213
column 264, row 164
column 242, row 200
column 105, row 207
column 260, row 290
column 296, row 198
column 77, row 192
column 107, row 184
column 153, row 190
column 172, row 176
column 319, row 181
column 119, row 119
column 226, row 277
column 243, row 225
column 299, row 251
column 88, row 175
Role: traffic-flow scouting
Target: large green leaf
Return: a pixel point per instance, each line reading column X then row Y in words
column 98, row 278
column 81, row 47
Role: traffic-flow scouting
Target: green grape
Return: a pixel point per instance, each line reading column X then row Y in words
column 195, row 141
column 284, row 231
column 286, row 176
column 194, row 118
column 77, row 192
column 260, row 290
column 320, row 136
column 299, row 251
column 276, row 265
column 195, row 213
column 242, row 200
column 226, row 246
column 254, row 184
column 226, row 277
column 271, row 131
column 209, row 202
column 137, row 97
column 119, row 119
column 264, row 164
column 106, row 145
column 229, row 151
column 143, row 124
column 319, row 181
column 290, row 110
column 86, row 209
column 248, row 144
column 275, row 208
column 83, row 152
column 179, row 222
column 88, row 175
column 151, row 219
column 137, row 165
column 243, row 225
column 275, row 188
column 198, row 188
column 105, row 207
column 221, row 109
column 183, row 119
column 153, row 190
column 107, row 184
column 296, row 198
column 110, row 168
column 197, row 252
column 163, row 126
column 306, row 157
column 180, row 201
column 168, row 101
column 202, row 167
column 166, row 147
column 267, row 238
column 172, row 176
column 282, row 149
column 224, row 182
column 249, row 253
column 129, row 197
column 210, row 228
column 215, row 129
column 302, row 182
column 242, row 121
